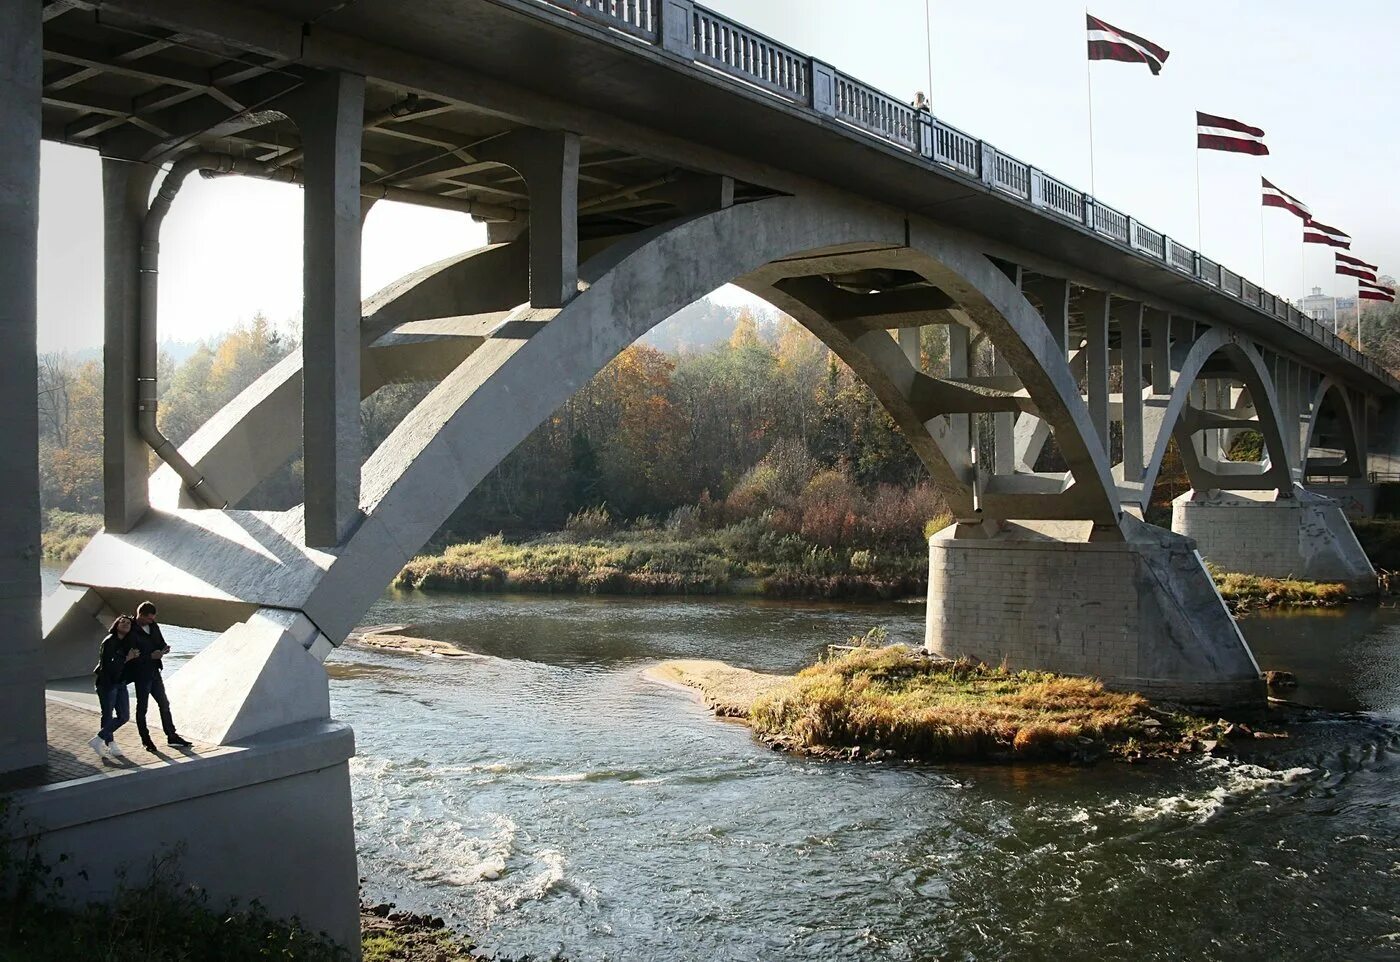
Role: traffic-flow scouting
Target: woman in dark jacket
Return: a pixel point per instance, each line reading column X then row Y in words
column 109, row 678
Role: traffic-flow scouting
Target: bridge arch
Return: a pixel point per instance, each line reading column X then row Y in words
column 1333, row 425
column 533, row 359
column 1178, row 419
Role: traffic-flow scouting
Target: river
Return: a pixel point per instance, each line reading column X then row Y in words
column 548, row 798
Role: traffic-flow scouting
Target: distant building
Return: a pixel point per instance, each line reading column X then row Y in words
column 1325, row 307
column 1322, row 307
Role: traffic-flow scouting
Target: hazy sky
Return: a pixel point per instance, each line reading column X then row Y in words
column 1012, row 72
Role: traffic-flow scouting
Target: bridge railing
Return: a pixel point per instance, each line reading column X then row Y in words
column 876, row 113
column 637, row 17
column 756, row 59
column 701, row 35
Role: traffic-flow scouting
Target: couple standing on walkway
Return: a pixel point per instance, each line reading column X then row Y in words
column 131, row 654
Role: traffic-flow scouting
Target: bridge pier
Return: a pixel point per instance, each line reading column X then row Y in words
column 1140, row 613
column 1305, row 536
column 22, row 725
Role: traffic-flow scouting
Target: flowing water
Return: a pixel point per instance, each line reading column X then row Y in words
column 549, row 798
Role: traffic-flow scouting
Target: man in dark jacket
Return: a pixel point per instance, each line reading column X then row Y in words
column 145, row 672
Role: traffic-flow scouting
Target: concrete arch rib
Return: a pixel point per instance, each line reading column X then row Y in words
column 1330, row 391
column 256, row 432
column 537, row 359
column 997, row 307
column 1163, row 421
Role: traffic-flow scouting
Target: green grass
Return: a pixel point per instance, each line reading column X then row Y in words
column 660, row 561
column 1252, row 589
column 896, row 699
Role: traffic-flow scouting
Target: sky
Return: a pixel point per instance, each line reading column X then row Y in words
column 1013, row 72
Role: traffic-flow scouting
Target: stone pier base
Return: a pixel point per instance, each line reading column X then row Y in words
column 1306, row 536
column 1142, row 615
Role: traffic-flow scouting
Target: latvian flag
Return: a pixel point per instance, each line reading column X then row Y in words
column 1222, row 133
column 1273, row 197
column 1319, row 233
column 1367, row 291
column 1356, row 267
column 1109, row 43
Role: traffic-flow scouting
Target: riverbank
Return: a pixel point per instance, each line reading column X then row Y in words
column 895, row 702
column 391, row 935
column 742, row 558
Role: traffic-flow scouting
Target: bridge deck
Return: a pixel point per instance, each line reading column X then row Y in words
column 446, row 77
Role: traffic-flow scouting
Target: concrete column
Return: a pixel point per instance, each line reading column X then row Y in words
column 331, row 122
column 959, row 363
column 1003, row 425
column 1161, row 349
column 126, row 191
column 1129, row 317
column 548, row 162
column 908, row 338
column 1095, row 307
column 23, row 738
column 1053, row 293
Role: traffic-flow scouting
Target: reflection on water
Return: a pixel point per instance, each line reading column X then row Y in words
column 549, row 797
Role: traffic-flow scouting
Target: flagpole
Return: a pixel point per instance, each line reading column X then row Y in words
column 1200, row 244
column 1089, row 77
column 1263, row 250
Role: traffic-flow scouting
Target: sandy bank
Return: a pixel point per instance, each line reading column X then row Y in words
column 387, row 638
column 726, row 690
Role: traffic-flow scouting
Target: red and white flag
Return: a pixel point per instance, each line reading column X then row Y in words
column 1375, row 292
column 1356, row 267
column 1222, row 133
column 1273, row 197
column 1315, row 232
column 1107, row 42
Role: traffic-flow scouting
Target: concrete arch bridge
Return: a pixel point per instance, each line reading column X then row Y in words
column 628, row 157
column 1046, row 568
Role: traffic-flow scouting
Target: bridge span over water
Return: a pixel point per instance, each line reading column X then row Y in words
column 629, row 157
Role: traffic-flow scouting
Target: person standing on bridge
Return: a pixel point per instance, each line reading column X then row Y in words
column 118, row 650
column 145, row 671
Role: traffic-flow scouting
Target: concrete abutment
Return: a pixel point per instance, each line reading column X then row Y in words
column 1141, row 614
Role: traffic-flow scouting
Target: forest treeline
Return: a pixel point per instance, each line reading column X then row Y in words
column 766, row 423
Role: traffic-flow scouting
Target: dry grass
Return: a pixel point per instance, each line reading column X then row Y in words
column 896, row 699
column 1251, row 589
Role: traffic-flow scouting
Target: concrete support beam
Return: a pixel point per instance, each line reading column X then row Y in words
column 1160, row 349
column 330, row 116
column 126, row 191
column 1053, row 295
column 1095, row 308
column 959, row 447
column 908, row 338
column 1129, row 317
column 23, row 738
column 548, row 161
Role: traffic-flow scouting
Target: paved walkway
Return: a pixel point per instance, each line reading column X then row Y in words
column 71, row 725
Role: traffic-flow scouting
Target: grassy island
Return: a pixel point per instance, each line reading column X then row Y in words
column 896, row 702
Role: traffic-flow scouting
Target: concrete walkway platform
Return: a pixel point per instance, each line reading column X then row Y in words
column 71, row 724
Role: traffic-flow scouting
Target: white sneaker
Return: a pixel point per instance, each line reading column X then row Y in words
column 115, row 750
column 98, row 745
